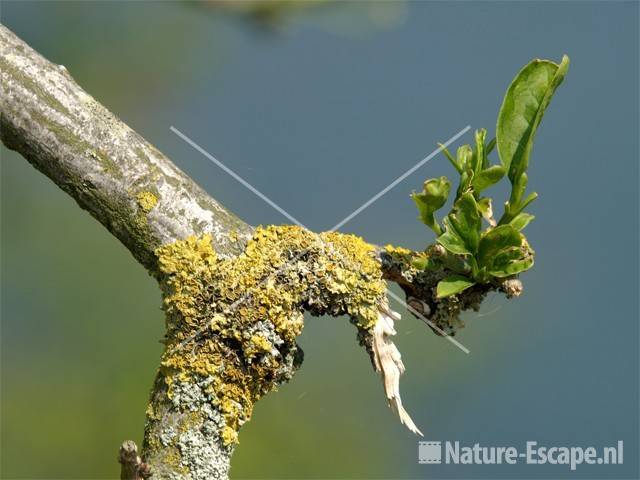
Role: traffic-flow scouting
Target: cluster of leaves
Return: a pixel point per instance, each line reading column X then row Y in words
column 475, row 254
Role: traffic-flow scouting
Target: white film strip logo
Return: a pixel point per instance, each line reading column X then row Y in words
column 429, row 452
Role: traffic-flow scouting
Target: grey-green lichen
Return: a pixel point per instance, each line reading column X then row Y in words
column 31, row 85
column 67, row 137
column 232, row 323
column 108, row 164
column 182, row 434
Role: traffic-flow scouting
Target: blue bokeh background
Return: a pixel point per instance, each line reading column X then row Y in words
column 320, row 114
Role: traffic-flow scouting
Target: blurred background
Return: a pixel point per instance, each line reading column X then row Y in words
column 321, row 105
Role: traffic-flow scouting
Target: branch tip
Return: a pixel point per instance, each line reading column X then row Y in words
column 132, row 466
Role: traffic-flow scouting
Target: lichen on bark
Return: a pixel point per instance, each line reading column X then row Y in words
column 232, row 323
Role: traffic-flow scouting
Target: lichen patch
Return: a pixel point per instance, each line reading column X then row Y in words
column 233, row 322
column 146, row 201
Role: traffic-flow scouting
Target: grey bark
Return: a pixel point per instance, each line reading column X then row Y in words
column 110, row 170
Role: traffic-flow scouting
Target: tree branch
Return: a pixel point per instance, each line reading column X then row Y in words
column 136, row 192
column 234, row 296
column 131, row 465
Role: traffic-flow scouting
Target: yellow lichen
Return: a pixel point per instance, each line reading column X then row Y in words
column 402, row 256
column 391, row 249
column 239, row 317
column 229, row 436
column 151, row 412
column 146, row 201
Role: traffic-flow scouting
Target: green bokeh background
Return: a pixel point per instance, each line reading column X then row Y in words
column 321, row 111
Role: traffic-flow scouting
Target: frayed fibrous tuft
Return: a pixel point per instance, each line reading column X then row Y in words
column 387, row 360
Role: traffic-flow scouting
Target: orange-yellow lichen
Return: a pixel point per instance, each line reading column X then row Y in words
column 235, row 321
column 391, row 249
column 146, row 201
column 229, row 435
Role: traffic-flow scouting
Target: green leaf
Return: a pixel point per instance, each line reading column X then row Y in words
column 504, row 251
column 453, row 161
column 462, row 227
column 466, row 178
column 522, row 109
column 515, row 204
column 488, row 177
column 530, row 198
column 452, row 241
column 490, row 146
column 496, row 240
column 465, row 218
column 452, row 285
column 433, row 196
column 521, row 220
column 519, row 187
column 480, row 156
column 465, row 157
column 511, row 262
column 458, row 264
column 486, row 210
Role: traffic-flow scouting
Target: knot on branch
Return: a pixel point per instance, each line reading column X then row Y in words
column 419, row 275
